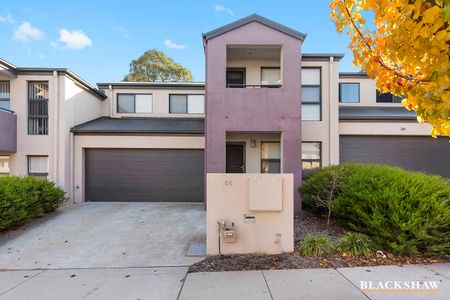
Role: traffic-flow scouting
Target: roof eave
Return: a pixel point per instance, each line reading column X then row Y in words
column 353, row 75
column 63, row 71
column 322, row 56
column 9, row 70
column 253, row 18
column 7, row 64
column 154, row 85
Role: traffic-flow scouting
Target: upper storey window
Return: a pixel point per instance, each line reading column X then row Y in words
column 349, row 92
column 388, row 98
column 134, row 103
column 311, row 94
column 186, row 104
column 38, row 107
column 254, row 66
column 236, row 77
column 5, row 95
column 270, row 76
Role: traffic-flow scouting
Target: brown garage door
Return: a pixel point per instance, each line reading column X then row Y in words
column 144, row 175
column 413, row 153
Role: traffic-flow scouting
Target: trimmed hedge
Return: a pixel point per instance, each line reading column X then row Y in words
column 402, row 211
column 26, row 198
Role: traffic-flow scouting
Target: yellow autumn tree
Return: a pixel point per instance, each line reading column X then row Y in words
column 406, row 50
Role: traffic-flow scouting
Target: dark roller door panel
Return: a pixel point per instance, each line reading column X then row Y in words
column 413, row 153
column 144, row 175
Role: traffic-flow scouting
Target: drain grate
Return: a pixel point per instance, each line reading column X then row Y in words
column 196, row 249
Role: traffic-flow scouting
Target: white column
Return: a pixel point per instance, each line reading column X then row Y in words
column 334, row 112
column 55, row 133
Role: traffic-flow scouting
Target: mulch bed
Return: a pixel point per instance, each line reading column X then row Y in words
column 306, row 223
column 296, row 261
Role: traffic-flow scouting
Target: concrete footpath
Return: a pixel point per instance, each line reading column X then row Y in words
column 175, row 283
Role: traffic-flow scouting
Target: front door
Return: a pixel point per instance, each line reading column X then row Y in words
column 235, row 159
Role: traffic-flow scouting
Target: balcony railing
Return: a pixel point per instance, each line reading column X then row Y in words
column 253, row 86
column 6, row 110
column 4, row 103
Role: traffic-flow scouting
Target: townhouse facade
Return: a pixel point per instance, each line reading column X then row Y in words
column 265, row 107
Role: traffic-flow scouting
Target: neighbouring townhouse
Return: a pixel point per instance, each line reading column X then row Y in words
column 265, row 107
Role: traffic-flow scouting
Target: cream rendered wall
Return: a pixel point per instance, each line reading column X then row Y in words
column 367, row 92
column 368, row 98
column 252, row 68
column 69, row 104
column 160, row 101
column 325, row 131
column 228, row 200
column 77, row 106
column 32, row 144
column 384, row 128
column 81, row 142
column 253, row 155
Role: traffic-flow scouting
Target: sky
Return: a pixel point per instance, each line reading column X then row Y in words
column 98, row 39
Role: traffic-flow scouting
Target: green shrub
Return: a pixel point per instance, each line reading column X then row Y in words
column 317, row 185
column 25, row 198
column 316, row 246
column 406, row 212
column 354, row 244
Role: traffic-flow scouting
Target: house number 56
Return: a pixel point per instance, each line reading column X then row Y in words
column 228, row 182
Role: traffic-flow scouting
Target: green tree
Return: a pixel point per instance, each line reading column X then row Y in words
column 155, row 65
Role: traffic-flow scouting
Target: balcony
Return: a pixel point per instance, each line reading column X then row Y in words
column 8, row 132
column 253, row 66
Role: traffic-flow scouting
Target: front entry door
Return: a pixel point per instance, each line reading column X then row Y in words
column 235, row 159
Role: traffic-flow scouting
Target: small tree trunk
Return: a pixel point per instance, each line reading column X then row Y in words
column 329, row 215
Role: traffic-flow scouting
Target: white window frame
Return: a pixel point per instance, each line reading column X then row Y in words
column 276, row 159
column 319, row 160
column 306, row 83
column 4, row 171
column 135, row 105
column 41, row 173
column 187, row 106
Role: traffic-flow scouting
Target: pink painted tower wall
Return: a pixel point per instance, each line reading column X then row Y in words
column 254, row 110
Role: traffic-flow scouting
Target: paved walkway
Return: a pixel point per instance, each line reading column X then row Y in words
column 173, row 283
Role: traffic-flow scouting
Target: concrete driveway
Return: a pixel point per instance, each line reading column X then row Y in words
column 106, row 235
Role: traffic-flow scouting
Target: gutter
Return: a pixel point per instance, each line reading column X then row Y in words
column 64, row 71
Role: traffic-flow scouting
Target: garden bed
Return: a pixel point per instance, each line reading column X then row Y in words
column 306, row 223
column 297, row 261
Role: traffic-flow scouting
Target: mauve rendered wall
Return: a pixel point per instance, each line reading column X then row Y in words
column 254, row 110
column 8, row 132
